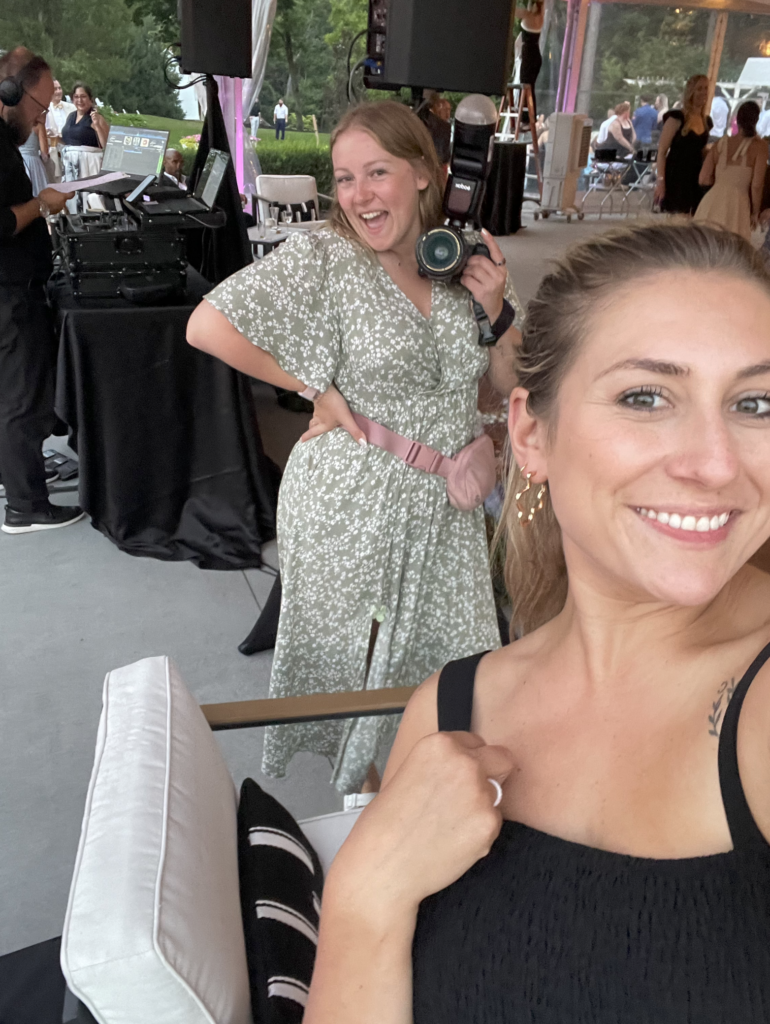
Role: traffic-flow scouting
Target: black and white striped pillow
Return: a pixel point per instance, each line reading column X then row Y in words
column 281, row 881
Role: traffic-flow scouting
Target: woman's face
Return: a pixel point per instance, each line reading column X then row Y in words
column 658, row 463
column 700, row 94
column 378, row 192
column 82, row 100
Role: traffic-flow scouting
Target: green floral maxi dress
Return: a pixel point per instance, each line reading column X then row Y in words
column 361, row 535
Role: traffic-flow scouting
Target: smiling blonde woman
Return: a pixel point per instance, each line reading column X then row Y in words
column 373, row 557
column 624, row 873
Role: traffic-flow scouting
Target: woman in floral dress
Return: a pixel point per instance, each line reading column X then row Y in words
column 368, row 545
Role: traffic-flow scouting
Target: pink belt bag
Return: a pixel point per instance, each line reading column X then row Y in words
column 470, row 476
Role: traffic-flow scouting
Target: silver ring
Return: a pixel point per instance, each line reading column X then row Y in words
column 501, row 263
column 498, row 790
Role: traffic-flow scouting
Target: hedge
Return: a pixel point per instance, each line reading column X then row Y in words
column 290, row 158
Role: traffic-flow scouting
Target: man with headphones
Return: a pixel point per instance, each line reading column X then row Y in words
column 27, row 342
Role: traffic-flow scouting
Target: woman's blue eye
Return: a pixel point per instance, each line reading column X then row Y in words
column 646, row 399
column 753, row 405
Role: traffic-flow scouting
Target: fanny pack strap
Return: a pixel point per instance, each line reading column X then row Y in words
column 413, row 453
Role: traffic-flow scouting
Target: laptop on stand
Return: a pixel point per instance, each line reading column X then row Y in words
column 136, row 154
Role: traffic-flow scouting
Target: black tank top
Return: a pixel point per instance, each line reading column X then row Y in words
column 546, row 931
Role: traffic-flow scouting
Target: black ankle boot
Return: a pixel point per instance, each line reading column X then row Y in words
column 262, row 637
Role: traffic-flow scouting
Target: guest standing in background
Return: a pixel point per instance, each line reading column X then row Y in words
column 735, row 167
column 645, row 121
column 661, row 105
column 680, row 150
column 34, row 152
column 58, row 112
column 83, row 138
column 280, row 116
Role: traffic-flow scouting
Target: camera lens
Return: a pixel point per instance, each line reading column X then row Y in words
column 441, row 252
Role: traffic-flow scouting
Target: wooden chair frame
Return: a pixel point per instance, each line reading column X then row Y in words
column 312, row 707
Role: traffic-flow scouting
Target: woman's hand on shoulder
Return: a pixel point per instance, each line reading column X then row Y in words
column 433, row 819
column 330, row 410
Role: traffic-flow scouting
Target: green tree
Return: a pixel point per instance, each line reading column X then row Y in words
column 147, row 89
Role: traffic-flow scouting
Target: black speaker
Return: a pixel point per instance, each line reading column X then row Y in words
column 455, row 45
column 216, row 37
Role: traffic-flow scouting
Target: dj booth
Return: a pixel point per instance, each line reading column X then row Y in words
column 171, row 461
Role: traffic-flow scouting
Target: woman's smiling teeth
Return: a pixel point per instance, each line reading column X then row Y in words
column 373, row 215
column 699, row 524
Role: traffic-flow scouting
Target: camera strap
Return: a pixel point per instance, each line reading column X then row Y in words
column 486, row 335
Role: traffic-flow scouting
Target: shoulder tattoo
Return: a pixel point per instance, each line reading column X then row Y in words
column 718, row 708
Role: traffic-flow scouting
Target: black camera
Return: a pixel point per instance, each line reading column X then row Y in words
column 443, row 252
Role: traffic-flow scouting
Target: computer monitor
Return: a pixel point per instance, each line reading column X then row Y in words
column 211, row 177
column 137, row 151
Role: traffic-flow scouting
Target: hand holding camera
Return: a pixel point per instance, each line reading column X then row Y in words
column 450, row 252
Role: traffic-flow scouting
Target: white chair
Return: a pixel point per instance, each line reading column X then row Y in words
column 153, row 929
column 297, row 193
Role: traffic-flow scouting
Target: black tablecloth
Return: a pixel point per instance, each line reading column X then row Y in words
column 171, row 461
column 501, row 213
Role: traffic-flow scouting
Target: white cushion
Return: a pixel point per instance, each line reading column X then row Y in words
column 328, row 832
column 153, row 930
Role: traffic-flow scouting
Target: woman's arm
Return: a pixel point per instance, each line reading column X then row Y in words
column 758, row 179
column 432, row 820
column 211, row 331
column 43, row 139
column 708, row 170
column 100, row 126
column 502, row 360
column 669, row 130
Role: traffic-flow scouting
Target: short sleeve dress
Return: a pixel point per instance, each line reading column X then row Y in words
column 683, row 165
column 361, row 535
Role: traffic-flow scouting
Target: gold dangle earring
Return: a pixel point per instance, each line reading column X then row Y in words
column 524, row 516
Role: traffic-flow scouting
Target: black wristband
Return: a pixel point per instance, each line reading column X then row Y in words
column 501, row 325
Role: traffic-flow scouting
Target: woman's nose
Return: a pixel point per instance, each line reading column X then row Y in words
column 707, row 452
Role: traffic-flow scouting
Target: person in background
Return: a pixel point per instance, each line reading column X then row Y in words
column 173, row 164
column 34, row 153
column 680, row 150
column 645, row 121
column 528, row 43
column 735, row 168
column 720, row 114
column 58, row 112
column 27, row 341
column 280, row 116
column 618, row 132
column 343, row 316
column 254, row 119
column 83, row 139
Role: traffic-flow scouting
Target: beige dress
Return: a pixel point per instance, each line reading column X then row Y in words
column 728, row 202
column 361, row 535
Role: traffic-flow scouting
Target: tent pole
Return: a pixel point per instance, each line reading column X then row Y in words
column 576, row 57
column 717, row 45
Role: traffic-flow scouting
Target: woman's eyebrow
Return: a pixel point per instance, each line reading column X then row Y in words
column 650, row 365
column 754, row 371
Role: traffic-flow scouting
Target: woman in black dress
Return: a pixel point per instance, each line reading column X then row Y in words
column 84, row 137
column 680, row 150
column 575, row 828
column 531, row 58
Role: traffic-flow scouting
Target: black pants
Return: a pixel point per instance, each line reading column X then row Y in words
column 27, row 367
column 280, row 129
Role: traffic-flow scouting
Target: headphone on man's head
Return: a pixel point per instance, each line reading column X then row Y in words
column 12, row 90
